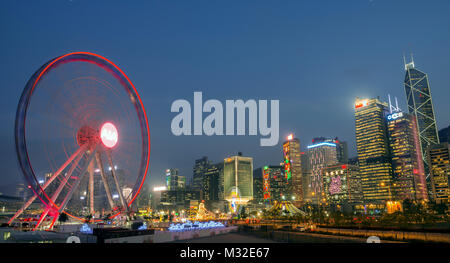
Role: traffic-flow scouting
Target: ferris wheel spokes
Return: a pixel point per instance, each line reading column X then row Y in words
column 91, row 188
column 116, row 181
column 61, row 186
column 105, row 182
column 80, row 150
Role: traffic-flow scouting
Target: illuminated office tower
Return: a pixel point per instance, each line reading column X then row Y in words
column 274, row 185
column 342, row 150
column 341, row 147
column 174, row 181
column 439, row 164
column 306, row 177
column 407, row 164
column 342, row 184
column 320, row 155
column 293, row 170
column 200, row 167
column 420, row 104
column 373, row 149
column 258, row 185
column 211, row 182
column 238, row 179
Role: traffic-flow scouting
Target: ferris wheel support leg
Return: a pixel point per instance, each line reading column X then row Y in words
column 91, row 188
column 53, row 221
column 58, row 190
column 105, row 183
column 58, row 172
column 116, row 181
column 77, row 182
column 43, row 215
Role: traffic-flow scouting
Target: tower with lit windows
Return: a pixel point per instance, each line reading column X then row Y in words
column 238, row 179
column 439, row 161
column 273, row 183
column 342, row 185
column 406, row 156
column 293, row 169
column 321, row 153
column 174, row 181
column 373, row 149
column 420, row 105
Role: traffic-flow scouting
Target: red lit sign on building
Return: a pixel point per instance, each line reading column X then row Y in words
column 361, row 104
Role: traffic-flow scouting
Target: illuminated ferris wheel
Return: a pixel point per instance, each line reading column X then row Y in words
column 82, row 139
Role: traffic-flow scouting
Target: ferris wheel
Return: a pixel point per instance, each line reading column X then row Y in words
column 82, row 139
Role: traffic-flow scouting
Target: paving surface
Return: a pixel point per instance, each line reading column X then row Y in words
column 301, row 238
column 227, row 238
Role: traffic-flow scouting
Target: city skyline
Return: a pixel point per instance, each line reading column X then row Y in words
column 362, row 75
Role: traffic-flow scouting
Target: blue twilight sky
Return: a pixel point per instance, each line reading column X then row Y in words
column 313, row 56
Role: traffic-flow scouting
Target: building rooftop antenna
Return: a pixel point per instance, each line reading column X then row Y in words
column 393, row 108
column 409, row 65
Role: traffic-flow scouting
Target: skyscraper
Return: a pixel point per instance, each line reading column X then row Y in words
column 342, row 184
column 174, row 181
column 320, row 155
column 211, row 182
column 408, row 169
column 420, row 104
column 258, row 188
column 341, row 147
column 444, row 134
column 293, row 169
column 274, row 183
column 238, row 179
column 200, row 167
column 439, row 163
column 373, row 149
column 306, row 178
column 342, row 151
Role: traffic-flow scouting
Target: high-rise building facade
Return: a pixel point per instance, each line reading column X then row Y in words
column 306, row 177
column 258, row 187
column 211, row 182
column 409, row 180
column 200, row 167
column 293, row 169
column 439, row 164
column 420, row 104
column 238, row 179
column 373, row 149
column 342, row 151
column 444, row 134
column 341, row 147
column 320, row 155
column 274, row 183
column 342, row 184
column 174, row 181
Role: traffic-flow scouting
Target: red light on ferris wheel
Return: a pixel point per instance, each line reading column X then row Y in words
column 109, row 135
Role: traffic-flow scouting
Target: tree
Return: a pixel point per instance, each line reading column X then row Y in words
column 63, row 218
column 438, row 208
column 243, row 215
column 87, row 218
column 106, row 217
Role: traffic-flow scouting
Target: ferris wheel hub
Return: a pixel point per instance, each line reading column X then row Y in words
column 87, row 136
column 108, row 135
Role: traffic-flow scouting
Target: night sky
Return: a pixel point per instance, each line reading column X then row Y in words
column 313, row 56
